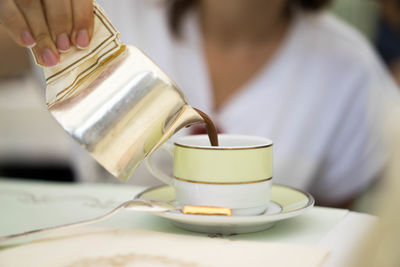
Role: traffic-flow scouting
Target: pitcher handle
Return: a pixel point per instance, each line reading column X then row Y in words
column 155, row 171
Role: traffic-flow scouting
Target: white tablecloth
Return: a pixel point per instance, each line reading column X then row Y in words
column 29, row 205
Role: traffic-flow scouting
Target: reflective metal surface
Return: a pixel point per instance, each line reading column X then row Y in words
column 153, row 206
column 115, row 101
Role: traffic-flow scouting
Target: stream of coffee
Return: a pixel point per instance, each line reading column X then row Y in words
column 211, row 129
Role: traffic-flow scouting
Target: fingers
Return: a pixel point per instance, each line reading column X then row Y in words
column 14, row 21
column 82, row 11
column 45, row 50
column 59, row 20
column 48, row 26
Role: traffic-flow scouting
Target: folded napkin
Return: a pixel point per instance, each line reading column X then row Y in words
column 100, row 247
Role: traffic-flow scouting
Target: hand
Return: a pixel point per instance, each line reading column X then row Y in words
column 48, row 26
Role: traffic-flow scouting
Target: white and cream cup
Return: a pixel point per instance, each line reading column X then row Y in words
column 237, row 174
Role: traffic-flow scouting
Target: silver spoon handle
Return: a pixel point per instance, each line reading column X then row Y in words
column 65, row 226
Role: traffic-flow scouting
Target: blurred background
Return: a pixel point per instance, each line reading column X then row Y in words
column 33, row 146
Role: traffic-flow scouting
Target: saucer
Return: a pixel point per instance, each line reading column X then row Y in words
column 286, row 202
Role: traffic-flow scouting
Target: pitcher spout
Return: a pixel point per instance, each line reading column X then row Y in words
column 187, row 116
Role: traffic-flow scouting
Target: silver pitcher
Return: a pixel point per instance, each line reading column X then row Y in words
column 115, row 101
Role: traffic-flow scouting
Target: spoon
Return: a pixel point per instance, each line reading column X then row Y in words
column 153, row 206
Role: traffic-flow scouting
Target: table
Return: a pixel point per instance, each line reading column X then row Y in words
column 28, row 205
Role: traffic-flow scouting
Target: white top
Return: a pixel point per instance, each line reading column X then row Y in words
column 313, row 100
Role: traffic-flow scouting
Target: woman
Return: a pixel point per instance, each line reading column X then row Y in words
column 267, row 68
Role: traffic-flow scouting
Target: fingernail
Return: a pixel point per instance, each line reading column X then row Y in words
column 82, row 39
column 63, row 43
column 28, row 39
column 49, row 58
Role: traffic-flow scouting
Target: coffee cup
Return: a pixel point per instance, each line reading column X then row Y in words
column 236, row 174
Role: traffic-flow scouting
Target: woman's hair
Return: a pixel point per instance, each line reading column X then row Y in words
column 178, row 8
